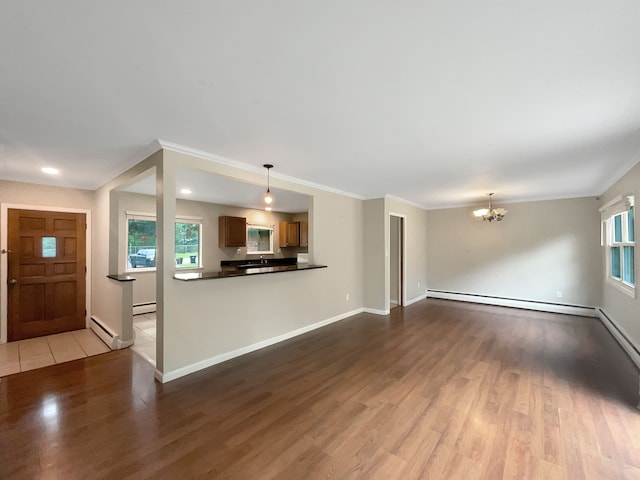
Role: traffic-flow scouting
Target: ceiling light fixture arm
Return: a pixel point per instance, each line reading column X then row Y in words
column 490, row 214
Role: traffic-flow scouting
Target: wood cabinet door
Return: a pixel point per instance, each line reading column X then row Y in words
column 46, row 273
column 232, row 231
column 293, row 234
column 289, row 234
column 304, row 234
column 282, row 231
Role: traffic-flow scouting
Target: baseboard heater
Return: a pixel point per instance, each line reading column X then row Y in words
column 140, row 308
column 621, row 337
column 107, row 335
column 538, row 305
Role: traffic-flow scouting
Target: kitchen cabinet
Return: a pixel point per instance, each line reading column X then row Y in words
column 289, row 234
column 304, row 234
column 232, row 231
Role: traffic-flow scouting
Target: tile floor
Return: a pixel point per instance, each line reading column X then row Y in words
column 144, row 330
column 23, row 355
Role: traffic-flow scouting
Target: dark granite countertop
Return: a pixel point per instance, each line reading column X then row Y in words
column 267, row 261
column 121, row 278
column 257, row 270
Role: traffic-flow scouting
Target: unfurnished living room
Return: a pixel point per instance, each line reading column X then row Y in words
column 319, row 240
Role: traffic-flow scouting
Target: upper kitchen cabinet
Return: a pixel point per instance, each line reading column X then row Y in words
column 304, row 234
column 232, row 231
column 289, row 234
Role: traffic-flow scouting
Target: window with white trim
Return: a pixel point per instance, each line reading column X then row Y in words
column 619, row 240
column 259, row 239
column 188, row 245
column 141, row 242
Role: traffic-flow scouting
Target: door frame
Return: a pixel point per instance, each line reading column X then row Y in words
column 403, row 261
column 4, row 224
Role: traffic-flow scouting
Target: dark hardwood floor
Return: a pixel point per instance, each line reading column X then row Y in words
column 437, row 390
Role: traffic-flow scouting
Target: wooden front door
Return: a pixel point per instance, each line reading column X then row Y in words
column 46, row 273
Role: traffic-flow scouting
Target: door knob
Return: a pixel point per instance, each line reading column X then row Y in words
column 5, row 251
column 13, row 281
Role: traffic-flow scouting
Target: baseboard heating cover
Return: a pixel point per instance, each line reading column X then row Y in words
column 632, row 351
column 140, row 308
column 515, row 303
column 107, row 335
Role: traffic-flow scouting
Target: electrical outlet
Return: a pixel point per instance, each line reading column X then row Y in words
column 347, row 297
column 558, row 293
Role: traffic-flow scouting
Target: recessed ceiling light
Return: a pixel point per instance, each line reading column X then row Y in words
column 185, row 191
column 50, row 170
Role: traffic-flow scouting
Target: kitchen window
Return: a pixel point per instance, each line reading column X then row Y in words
column 259, row 239
column 619, row 240
column 141, row 242
column 188, row 245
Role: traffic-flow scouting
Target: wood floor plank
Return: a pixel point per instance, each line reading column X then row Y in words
column 437, row 390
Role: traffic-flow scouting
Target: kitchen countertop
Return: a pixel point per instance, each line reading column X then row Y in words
column 257, row 270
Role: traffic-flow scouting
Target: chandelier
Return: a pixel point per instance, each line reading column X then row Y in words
column 490, row 214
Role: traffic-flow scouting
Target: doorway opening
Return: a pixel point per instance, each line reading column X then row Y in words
column 396, row 260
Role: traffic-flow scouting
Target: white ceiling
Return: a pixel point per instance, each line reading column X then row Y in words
column 210, row 188
column 434, row 102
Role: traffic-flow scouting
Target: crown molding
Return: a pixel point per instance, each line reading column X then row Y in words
column 623, row 171
column 174, row 147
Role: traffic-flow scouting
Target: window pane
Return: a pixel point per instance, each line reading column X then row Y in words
column 141, row 243
column 187, row 245
column 259, row 240
column 628, row 274
column 48, row 247
column 631, row 223
column 615, row 262
column 617, row 228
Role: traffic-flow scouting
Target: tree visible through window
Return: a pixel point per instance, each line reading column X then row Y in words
column 141, row 242
column 187, row 245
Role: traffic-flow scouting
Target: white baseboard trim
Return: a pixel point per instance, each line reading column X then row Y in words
column 375, row 311
column 194, row 367
column 144, row 308
column 414, row 300
column 621, row 336
column 122, row 344
column 582, row 311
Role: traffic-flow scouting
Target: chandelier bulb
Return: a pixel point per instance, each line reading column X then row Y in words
column 490, row 214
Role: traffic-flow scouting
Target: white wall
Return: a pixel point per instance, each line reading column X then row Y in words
column 106, row 302
column 415, row 221
column 624, row 310
column 538, row 249
column 376, row 281
column 375, row 297
column 202, row 320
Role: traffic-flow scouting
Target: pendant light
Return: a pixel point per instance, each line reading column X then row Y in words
column 268, row 198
